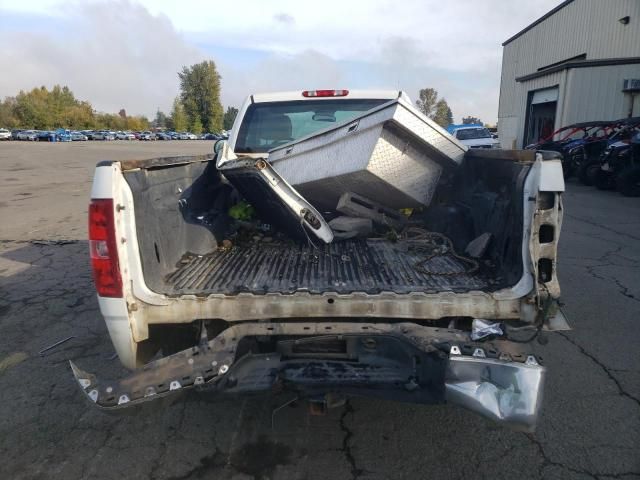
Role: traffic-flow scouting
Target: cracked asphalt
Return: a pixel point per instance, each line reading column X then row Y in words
column 590, row 424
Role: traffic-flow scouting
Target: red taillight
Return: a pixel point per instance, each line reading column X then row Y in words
column 325, row 93
column 103, row 249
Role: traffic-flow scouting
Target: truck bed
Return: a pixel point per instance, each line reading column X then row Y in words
column 371, row 266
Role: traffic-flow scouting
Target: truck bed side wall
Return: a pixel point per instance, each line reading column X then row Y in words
column 485, row 195
column 177, row 211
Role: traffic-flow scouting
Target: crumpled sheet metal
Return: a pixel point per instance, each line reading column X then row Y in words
column 507, row 392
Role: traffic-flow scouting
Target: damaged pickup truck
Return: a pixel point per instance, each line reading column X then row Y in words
column 339, row 244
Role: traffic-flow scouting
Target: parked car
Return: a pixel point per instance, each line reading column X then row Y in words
column 5, row 134
column 30, row 135
column 125, row 136
column 147, row 136
column 78, row 136
column 62, row 135
column 212, row 136
column 163, row 136
column 103, row 135
column 473, row 136
column 345, row 322
column 191, row 136
column 183, row 136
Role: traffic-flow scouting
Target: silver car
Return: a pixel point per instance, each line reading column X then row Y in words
column 30, row 135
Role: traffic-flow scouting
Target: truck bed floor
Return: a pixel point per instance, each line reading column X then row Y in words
column 370, row 266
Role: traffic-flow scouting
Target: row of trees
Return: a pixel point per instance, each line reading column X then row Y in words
column 438, row 110
column 197, row 108
column 43, row 109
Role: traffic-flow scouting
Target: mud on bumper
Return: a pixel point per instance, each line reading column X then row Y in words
column 402, row 361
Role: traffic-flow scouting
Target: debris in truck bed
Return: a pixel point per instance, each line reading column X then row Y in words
column 242, row 211
column 356, row 205
column 478, row 246
column 350, row 227
column 433, row 245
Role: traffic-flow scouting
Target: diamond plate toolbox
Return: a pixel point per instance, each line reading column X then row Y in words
column 392, row 154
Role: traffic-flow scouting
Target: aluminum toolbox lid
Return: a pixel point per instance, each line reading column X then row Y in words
column 442, row 146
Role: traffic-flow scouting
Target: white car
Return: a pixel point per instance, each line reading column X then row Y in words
column 125, row 136
column 476, row 137
column 191, row 136
column 78, row 137
column 5, row 134
column 103, row 136
column 30, row 135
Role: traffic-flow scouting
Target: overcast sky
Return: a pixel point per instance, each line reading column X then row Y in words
column 125, row 54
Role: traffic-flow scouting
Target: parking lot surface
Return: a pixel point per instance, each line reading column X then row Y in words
column 590, row 425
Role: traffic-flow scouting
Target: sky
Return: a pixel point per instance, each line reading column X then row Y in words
column 126, row 53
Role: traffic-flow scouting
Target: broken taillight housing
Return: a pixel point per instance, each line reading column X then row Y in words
column 102, row 248
column 325, row 93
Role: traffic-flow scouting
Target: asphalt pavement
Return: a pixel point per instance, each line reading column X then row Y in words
column 590, row 424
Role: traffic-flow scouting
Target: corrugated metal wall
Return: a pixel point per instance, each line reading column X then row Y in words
column 583, row 26
column 594, row 93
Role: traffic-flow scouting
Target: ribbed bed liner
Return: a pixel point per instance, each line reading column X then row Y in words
column 370, row 266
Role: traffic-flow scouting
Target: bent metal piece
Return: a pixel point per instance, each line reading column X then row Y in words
column 401, row 361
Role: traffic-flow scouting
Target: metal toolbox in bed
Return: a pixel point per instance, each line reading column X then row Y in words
column 392, row 154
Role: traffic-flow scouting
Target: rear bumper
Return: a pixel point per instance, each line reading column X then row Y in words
column 403, row 362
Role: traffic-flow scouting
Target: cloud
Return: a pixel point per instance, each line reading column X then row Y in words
column 122, row 54
column 284, row 18
column 113, row 54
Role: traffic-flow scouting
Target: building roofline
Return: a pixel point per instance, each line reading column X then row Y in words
column 540, row 20
column 603, row 62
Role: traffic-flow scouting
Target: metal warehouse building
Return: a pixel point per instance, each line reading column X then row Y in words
column 579, row 62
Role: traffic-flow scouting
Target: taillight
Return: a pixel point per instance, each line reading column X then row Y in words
column 102, row 248
column 325, row 93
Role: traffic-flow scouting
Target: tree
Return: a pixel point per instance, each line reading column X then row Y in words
column 196, row 126
column 160, row 121
column 200, row 95
column 7, row 117
column 178, row 117
column 426, row 103
column 229, row 117
column 470, row 120
column 442, row 115
column 433, row 107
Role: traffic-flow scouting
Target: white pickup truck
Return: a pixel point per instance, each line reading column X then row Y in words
column 185, row 296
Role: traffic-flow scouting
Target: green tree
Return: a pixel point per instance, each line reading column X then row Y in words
column 7, row 116
column 470, row 120
column 200, row 95
column 229, row 117
column 442, row 115
column 161, row 120
column 196, row 126
column 178, row 117
column 427, row 99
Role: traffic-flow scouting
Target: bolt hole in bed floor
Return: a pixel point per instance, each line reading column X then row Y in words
column 370, row 266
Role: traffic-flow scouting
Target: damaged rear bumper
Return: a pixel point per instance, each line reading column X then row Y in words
column 402, row 361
